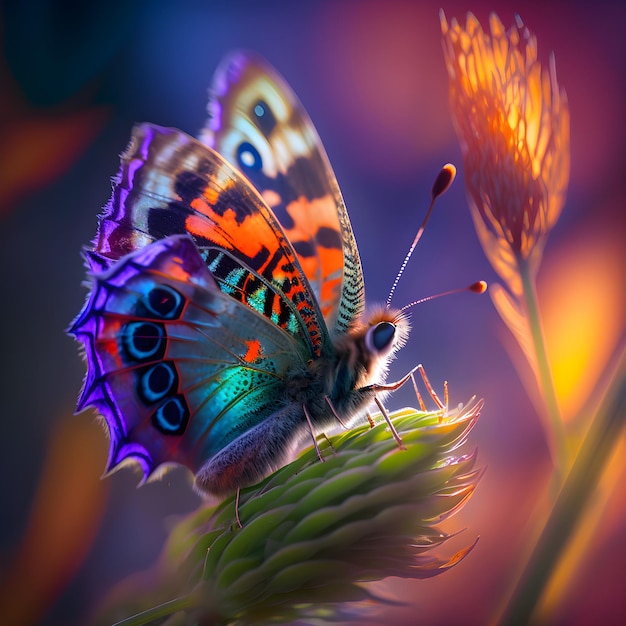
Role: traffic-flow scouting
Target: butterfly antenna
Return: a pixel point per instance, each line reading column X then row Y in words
column 440, row 186
column 478, row 287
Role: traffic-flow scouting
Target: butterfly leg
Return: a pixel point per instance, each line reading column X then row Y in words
column 334, row 412
column 308, row 419
column 391, row 386
column 430, row 389
column 394, row 432
column 418, row 394
column 237, row 507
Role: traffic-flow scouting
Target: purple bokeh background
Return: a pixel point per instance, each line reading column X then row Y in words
column 372, row 77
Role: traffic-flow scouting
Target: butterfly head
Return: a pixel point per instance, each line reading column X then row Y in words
column 386, row 331
column 370, row 345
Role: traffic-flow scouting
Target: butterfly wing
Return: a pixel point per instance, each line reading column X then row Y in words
column 179, row 369
column 257, row 123
column 170, row 183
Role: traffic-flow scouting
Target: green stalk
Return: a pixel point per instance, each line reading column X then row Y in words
column 569, row 507
column 558, row 443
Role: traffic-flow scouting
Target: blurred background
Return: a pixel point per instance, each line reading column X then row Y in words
column 75, row 76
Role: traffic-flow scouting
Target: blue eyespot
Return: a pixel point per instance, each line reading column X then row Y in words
column 143, row 340
column 172, row 416
column 264, row 117
column 164, row 302
column 249, row 157
column 158, row 381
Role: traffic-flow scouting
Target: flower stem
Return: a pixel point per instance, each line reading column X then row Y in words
column 583, row 478
column 557, row 441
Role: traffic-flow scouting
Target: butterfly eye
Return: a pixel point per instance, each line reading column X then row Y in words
column 249, row 157
column 380, row 337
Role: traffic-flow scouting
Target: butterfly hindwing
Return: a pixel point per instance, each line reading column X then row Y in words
column 257, row 123
column 179, row 369
column 170, row 183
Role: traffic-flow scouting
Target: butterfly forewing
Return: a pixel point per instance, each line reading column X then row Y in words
column 170, row 183
column 258, row 124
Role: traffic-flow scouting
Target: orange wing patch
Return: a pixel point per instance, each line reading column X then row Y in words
column 254, row 351
column 228, row 214
column 318, row 244
column 222, row 228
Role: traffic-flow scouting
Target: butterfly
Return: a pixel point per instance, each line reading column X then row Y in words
column 226, row 321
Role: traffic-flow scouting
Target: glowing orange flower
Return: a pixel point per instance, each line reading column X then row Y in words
column 513, row 124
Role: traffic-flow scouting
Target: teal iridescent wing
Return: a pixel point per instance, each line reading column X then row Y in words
column 179, row 369
column 257, row 123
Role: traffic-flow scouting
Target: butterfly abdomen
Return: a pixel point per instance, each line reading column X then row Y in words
column 270, row 443
column 330, row 387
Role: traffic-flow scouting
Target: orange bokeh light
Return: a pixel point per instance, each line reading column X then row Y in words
column 583, row 294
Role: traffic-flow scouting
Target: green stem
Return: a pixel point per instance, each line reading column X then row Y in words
column 569, row 507
column 557, row 441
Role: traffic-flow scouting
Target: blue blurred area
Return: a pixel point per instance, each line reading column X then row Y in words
column 372, row 77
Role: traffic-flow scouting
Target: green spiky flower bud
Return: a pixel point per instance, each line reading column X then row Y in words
column 313, row 534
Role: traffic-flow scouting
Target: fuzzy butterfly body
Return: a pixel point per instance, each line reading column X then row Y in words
column 225, row 320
